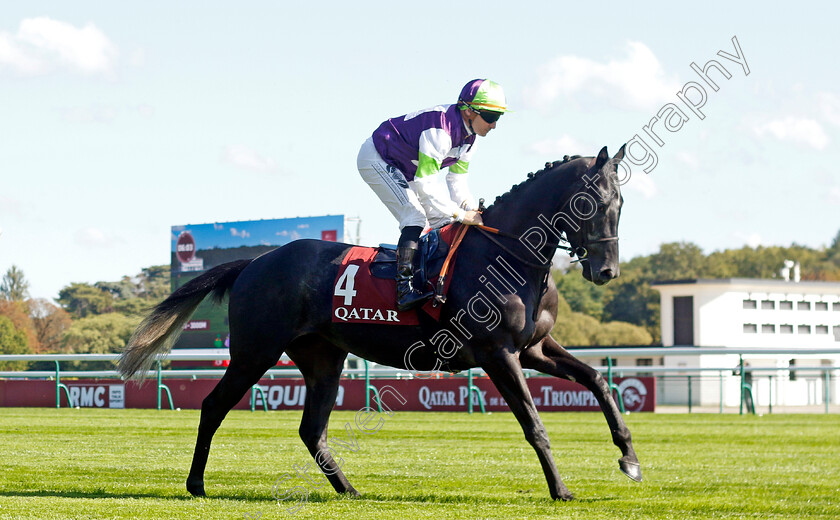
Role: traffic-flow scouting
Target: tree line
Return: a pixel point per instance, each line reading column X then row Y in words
column 85, row 318
column 100, row 317
column 630, row 300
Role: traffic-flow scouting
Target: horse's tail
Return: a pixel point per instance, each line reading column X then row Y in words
column 159, row 330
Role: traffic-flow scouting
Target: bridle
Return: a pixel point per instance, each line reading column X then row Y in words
column 580, row 251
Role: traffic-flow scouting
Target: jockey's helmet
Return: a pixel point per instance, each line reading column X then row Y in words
column 484, row 97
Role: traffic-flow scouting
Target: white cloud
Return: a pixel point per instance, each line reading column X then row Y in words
column 137, row 58
column 751, row 239
column 833, row 195
column 90, row 114
column 830, row 107
column 13, row 57
column 239, row 233
column 145, row 110
column 10, row 206
column 637, row 81
column 641, row 183
column 247, row 158
column 563, row 145
column 689, row 159
column 94, row 237
column 42, row 44
column 801, row 131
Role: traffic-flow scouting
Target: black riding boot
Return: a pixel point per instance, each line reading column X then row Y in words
column 407, row 296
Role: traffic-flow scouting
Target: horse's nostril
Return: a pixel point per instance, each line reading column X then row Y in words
column 607, row 274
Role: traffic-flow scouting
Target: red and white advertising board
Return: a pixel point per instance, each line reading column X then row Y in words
column 435, row 395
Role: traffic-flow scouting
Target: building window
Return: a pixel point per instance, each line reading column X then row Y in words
column 785, row 305
column 644, row 362
column 836, row 333
column 821, row 306
column 803, row 306
column 606, row 362
column 821, row 329
column 768, row 328
column 836, row 306
column 786, row 329
column 803, row 329
column 768, row 305
column 750, row 304
column 750, row 328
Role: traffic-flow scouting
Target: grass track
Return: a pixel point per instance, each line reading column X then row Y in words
column 104, row 464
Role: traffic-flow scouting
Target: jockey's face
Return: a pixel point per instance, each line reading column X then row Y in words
column 479, row 125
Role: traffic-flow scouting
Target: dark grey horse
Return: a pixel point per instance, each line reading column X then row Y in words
column 498, row 315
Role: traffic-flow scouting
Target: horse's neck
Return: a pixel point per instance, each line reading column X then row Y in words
column 536, row 206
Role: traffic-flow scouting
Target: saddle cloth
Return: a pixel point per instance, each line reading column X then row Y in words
column 365, row 289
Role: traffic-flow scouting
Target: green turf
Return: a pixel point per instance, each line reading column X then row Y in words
column 133, row 463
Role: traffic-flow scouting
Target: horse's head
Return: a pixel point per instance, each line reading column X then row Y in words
column 578, row 198
column 597, row 206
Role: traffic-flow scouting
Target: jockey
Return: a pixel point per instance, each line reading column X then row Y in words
column 401, row 161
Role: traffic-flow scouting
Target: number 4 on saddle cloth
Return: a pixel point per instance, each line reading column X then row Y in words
column 365, row 289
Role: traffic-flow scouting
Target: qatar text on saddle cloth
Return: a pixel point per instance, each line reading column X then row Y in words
column 359, row 297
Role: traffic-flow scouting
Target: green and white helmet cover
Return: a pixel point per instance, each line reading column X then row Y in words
column 483, row 94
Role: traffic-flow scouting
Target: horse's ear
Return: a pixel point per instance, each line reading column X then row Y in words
column 620, row 155
column 602, row 159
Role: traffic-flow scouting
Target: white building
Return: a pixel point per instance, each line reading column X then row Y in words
column 751, row 313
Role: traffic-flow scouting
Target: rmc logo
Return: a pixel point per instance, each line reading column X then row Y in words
column 97, row 396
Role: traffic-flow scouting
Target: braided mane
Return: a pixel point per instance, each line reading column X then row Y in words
column 533, row 175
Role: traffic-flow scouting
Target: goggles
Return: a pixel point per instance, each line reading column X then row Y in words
column 489, row 116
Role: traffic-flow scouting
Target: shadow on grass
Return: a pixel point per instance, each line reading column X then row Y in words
column 434, row 498
column 323, row 498
column 107, row 494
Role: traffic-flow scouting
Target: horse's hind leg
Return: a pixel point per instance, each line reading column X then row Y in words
column 321, row 364
column 238, row 378
column 551, row 358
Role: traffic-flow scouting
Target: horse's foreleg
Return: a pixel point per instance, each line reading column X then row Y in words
column 230, row 389
column 321, row 364
column 505, row 372
column 550, row 357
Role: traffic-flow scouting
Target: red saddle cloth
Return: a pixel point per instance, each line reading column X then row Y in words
column 359, row 297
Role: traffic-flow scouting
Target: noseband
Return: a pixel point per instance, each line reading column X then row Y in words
column 580, row 251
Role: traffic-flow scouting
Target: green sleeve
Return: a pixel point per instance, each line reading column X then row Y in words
column 459, row 167
column 426, row 166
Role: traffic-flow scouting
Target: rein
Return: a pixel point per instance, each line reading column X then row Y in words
column 488, row 232
column 580, row 251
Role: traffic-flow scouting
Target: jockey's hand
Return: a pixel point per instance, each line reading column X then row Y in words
column 472, row 218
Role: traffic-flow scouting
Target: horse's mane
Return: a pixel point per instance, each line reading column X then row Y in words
column 533, row 175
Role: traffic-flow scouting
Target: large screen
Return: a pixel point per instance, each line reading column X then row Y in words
column 197, row 248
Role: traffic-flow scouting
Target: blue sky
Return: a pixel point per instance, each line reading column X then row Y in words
column 119, row 120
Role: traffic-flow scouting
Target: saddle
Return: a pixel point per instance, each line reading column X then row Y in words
column 431, row 253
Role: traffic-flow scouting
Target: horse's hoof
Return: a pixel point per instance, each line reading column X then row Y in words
column 565, row 497
column 632, row 469
column 352, row 493
column 196, row 488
